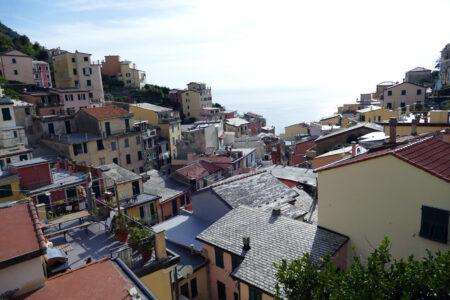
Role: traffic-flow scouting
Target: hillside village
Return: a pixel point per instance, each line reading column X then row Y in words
column 113, row 187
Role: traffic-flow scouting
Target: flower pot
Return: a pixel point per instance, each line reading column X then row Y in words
column 122, row 237
column 146, row 255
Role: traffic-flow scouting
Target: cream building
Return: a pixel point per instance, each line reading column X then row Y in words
column 402, row 95
column 165, row 118
column 15, row 65
column 75, row 70
column 131, row 76
column 293, row 130
column 391, row 192
column 195, row 98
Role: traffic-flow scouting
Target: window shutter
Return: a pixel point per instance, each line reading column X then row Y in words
column 75, row 152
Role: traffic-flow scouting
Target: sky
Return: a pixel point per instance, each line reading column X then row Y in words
column 342, row 47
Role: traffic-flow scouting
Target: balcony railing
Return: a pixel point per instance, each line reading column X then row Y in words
column 148, row 133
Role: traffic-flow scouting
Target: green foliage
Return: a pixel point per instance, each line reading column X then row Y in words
column 217, row 105
column 381, row 278
column 139, row 239
column 11, row 40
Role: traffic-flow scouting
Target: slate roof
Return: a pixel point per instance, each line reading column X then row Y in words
column 137, row 200
column 300, row 175
column 106, row 112
column 368, row 125
column 254, row 190
column 272, row 238
column 115, row 172
column 164, row 187
column 427, row 152
column 198, row 169
column 152, row 107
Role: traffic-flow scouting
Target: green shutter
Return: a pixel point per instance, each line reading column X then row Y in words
column 219, row 257
column 141, row 212
column 434, row 224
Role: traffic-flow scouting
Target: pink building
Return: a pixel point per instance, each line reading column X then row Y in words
column 73, row 99
column 41, row 74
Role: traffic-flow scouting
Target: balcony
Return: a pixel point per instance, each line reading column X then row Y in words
column 95, row 100
column 146, row 134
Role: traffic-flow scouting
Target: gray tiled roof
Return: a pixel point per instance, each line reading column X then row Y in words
column 301, row 175
column 113, row 172
column 255, row 190
column 160, row 185
column 272, row 239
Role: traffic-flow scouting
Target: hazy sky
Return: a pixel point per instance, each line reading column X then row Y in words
column 343, row 46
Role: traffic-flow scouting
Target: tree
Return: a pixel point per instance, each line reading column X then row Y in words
column 381, row 278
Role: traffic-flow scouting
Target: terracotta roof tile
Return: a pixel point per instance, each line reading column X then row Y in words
column 198, row 169
column 20, row 231
column 106, row 112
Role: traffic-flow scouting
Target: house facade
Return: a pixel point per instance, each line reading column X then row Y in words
column 237, row 125
column 17, row 66
column 194, row 98
column 402, row 95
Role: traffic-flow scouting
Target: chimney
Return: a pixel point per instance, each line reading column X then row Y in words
column 276, row 211
column 160, row 244
column 70, row 170
column 353, row 148
column 392, row 130
column 414, row 126
column 246, row 241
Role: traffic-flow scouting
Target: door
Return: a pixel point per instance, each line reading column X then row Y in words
column 51, row 128
column 68, row 128
column 175, row 207
column 136, row 189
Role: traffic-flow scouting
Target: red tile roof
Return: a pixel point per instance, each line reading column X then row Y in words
column 20, row 231
column 427, row 152
column 198, row 169
column 97, row 280
column 106, row 112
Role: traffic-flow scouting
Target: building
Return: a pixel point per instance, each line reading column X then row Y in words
column 237, row 125
column 402, row 95
column 334, row 120
column 175, row 96
column 199, row 138
column 335, row 155
column 194, row 98
column 256, row 122
column 210, row 114
column 17, row 66
column 374, row 114
column 399, row 189
column 243, row 246
column 173, row 196
column 437, row 120
column 165, row 118
column 125, row 71
column 104, row 135
column 76, row 71
column 381, row 87
column 444, row 66
column 199, row 174
column 42, row 74
column 418, row 75
column 291, row 131
column 10, row 187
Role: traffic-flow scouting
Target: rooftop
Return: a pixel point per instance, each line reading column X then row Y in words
column 272, row 238
column 419, row 69
column 113, row 172
column 369, row 108
column 236, row 122
column 198, row 169
column 370, row 126
column 343, row 150
column 5, row 100
column 21, row 237
column 300, row 175
column 30, row 162
column 164, row 187
column 106, row 112
column 102, row 278
column 138, row 200
column 187, row 258
column 152, row 107
column 426, row 151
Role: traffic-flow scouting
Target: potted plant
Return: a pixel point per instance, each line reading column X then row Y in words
column 121, row 230
column 93, row 215
column 139, row 241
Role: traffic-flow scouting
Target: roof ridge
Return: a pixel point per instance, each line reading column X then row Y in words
column 37, row 225
column 236, row 179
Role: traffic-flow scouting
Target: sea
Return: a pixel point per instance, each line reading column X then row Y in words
column 283, row 106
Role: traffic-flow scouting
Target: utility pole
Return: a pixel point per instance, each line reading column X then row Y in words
column 117, row 197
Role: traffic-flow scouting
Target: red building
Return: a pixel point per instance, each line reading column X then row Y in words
column 41, row 74
column 256, row 122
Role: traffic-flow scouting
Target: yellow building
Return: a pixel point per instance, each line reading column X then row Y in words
column 332, row 120
column 374, row 113
column 350, row 108
column 75, row 70
column 293, row 130
column 10, row 187
column 390, row 192
column 438, row 120
column 165, row 118
column 196, row 97
column 131, row 76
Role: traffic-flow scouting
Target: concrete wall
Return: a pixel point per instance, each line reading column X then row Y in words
column 379, row 197
column 11, row 137
column 259, row 146
column 22, row 65
column 26, row 276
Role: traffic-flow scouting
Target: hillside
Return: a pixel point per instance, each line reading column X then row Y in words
column 11, row 40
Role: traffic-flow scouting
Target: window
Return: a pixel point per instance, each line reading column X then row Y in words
column 128, row 157
column 389, row 105
column 73, row 59
column 115, row 160
column 77, row 149
column 173, row 141
column 221, row 290
column 81, row 96
column 362, row 118
column 8, row 160
column 86, row 58
column 91, row 95
column 219, row 257
column 127, row 143
column 15, row 134
column 16, row 72
column 403, row 92
column 85, row 147
column 139, row 155
column 46, row 68
column 235, row 261
column 101, row 160
column 419, row 92
column 128, row 75
column 74, row 71
column 100, row 145
column 254, row 294
column 185, row 290
column 389, row 93
column 138, row 140
column 434, row 224
column 194, row 292
column 6, row 114
column 113, row 146
column 127, row 125
column 14, row 61
column 76, row 82
column 36, row 76
column 23, row 157
column 71, row 193
column 128, row 81
column 88, row 82
column 5, row 191
column 235, row 296
column 402, row 104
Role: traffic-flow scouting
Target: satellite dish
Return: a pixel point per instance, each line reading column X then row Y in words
column 186, row 271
